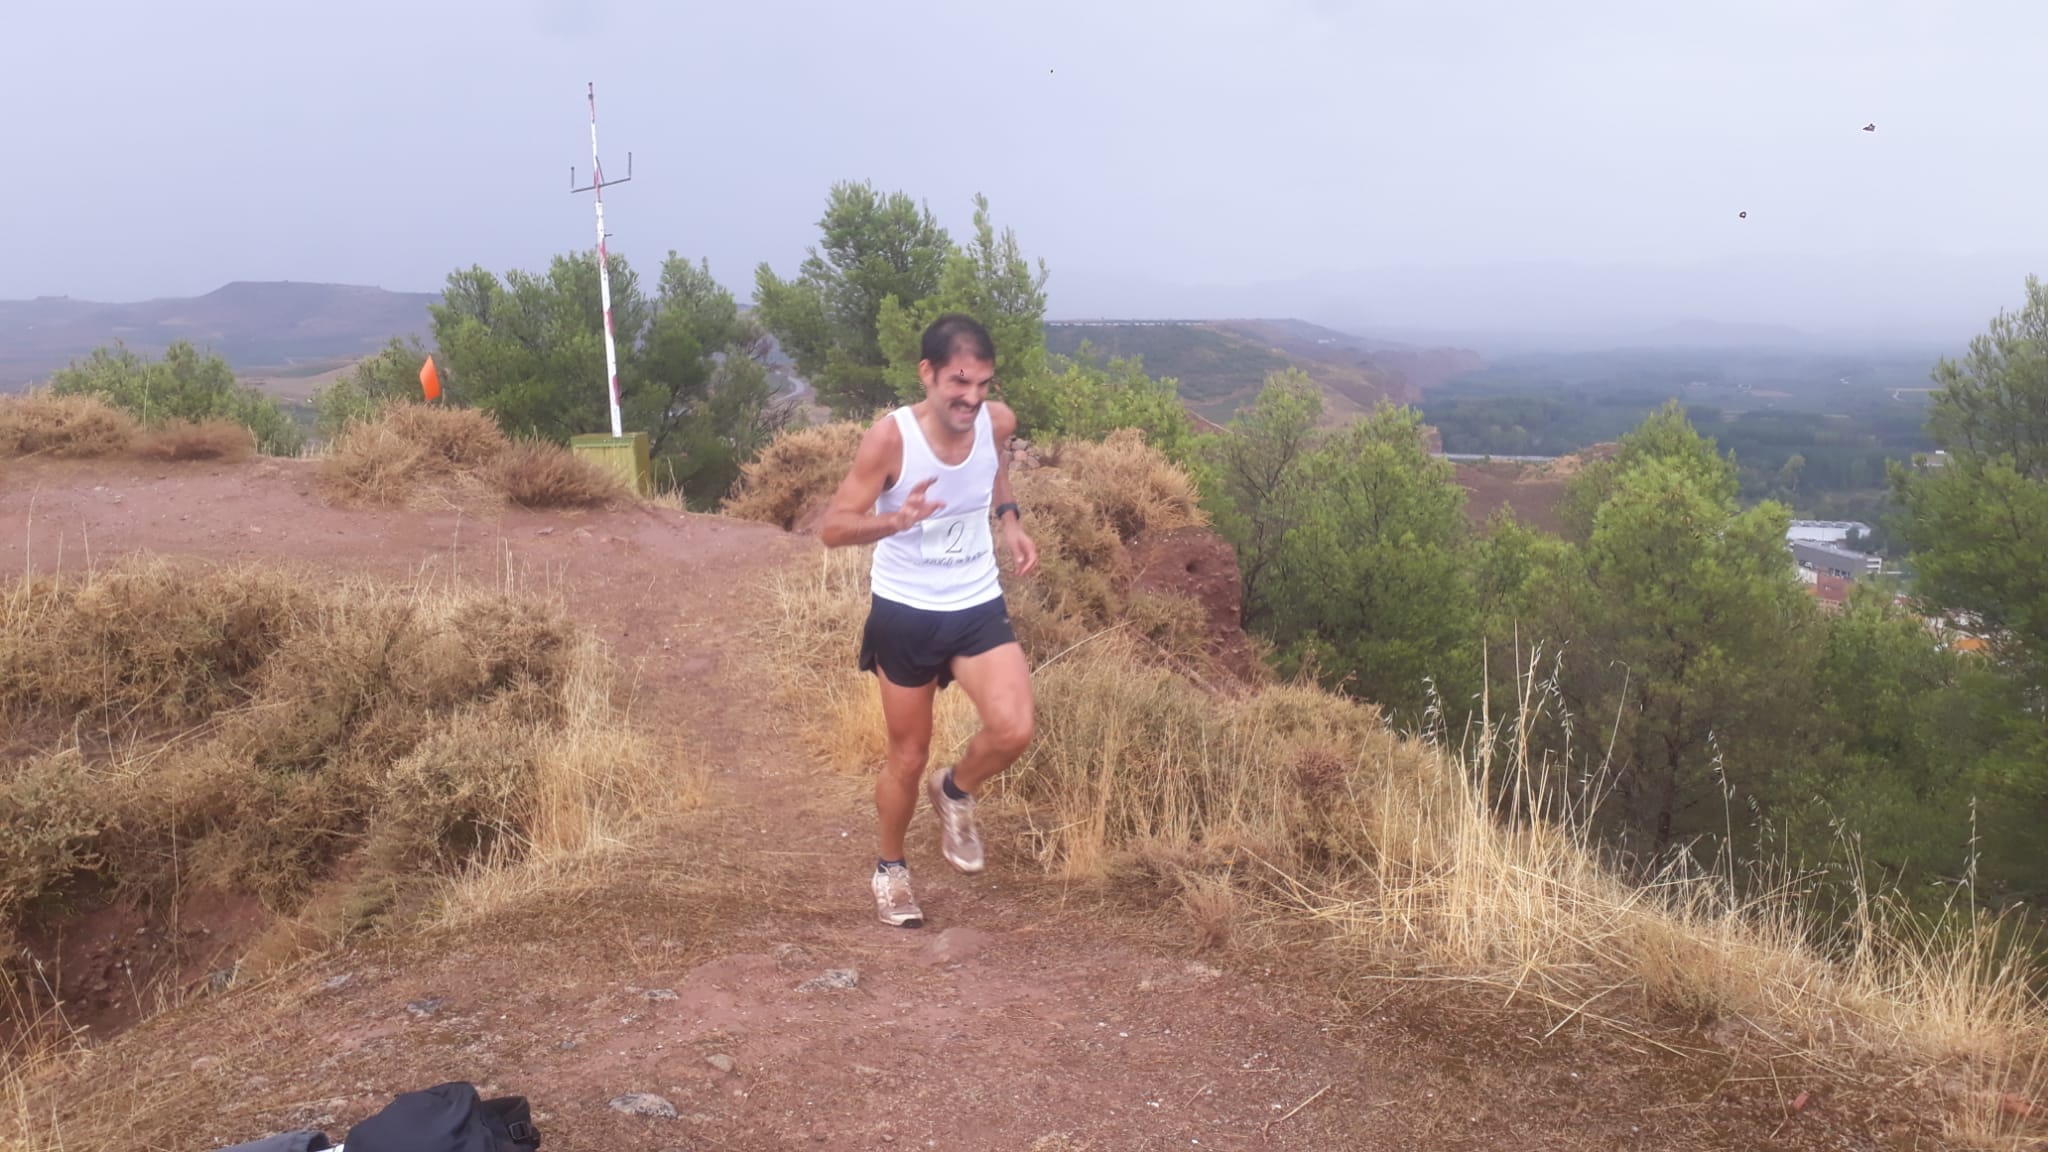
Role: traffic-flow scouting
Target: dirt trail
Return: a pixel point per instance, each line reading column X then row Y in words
column 1023, row 1017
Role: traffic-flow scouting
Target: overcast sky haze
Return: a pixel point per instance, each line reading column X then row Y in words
column 1372, row 161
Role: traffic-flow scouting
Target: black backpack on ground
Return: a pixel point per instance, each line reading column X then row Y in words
column 447, row 1118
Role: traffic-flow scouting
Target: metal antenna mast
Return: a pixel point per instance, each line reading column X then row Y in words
column 597, row 186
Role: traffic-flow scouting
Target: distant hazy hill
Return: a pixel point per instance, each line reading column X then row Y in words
column 253, row 325
column 1221, row 363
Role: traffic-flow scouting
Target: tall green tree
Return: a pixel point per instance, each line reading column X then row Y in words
column 1666, row 435
column 699, row 387
column 1929, row 760
column 873, row 247
column 1977, row 527
column 1253, row 466
column 1369, row 582
column 185, row 384
column 1081, row 397
column 1685, row 629
column 530, row 349
column 990, row 280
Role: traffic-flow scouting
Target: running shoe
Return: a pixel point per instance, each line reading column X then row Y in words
column 958, row 840
column 893, row 901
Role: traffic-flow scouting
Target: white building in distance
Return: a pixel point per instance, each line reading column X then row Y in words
column 1824, row 531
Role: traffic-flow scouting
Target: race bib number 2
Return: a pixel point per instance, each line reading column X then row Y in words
column 956, row 539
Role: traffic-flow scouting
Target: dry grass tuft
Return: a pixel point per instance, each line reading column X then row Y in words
column 460, row 439
column 411, row 452
column 1215, row 906
column 237, row 729
column 539, row 474
column 42, row 423
column 208, row 440
column 795, row 475
column 416, row 453
column 1132, row 484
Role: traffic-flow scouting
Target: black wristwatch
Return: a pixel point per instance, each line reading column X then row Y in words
column 1007, row 507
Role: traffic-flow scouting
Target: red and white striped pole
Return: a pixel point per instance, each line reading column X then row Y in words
column 604, row 267
column 604, row 270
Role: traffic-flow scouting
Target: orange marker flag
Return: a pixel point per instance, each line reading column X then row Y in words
column 430, row 380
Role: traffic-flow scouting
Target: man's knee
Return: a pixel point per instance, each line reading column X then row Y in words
column 1009, row 733
column 909, row 757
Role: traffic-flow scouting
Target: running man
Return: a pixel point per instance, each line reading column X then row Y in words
column 920, row 490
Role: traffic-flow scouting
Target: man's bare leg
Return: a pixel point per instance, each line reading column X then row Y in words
column 908, row 712
column 999, row 683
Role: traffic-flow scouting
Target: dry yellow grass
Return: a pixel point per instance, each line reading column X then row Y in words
column 1132, row 483
column 42, row 423
column 1306, row 808
column 797, row 473
column 423, row 453
column 246, row 729
column 540, row 474
column 411, row 453
column 207, row 440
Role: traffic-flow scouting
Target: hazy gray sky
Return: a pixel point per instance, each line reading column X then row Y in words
column 163, row 148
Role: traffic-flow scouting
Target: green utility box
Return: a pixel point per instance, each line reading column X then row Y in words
column 626, row 455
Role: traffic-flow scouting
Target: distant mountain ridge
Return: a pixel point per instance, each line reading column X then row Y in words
column 1221, row 364
column 253, row 324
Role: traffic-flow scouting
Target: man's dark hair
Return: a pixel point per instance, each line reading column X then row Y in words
column 954, row 334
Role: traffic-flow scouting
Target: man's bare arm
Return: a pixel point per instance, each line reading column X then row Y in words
column 1022, row 548
column 1003, row 422
column 850, row 519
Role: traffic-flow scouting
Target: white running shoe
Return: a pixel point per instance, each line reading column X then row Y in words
column 958, row 840
column 893, row 901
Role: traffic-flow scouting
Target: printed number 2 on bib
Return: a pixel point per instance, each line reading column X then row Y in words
column 955, row 539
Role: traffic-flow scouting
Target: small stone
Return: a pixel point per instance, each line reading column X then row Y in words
column 206, row 1063
column 820, row 1133
column 721, row 1061
column 545, row 532
column 644, row 1104
column 341, row 981
column 833, row 979
column 660, row 994
column 426, row 1007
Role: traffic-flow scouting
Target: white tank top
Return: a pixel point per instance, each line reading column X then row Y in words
column 947, row 561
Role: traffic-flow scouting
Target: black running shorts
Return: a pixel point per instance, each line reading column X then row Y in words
column 913, row 646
